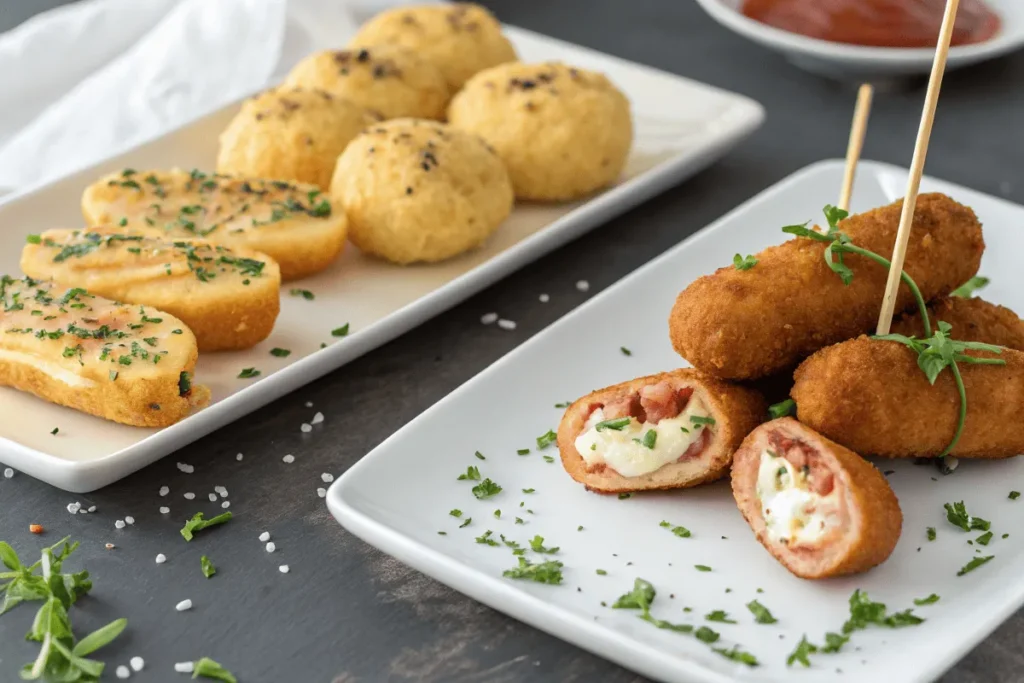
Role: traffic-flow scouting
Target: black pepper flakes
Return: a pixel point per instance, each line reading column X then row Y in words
column 363, row 56
column 408, row 190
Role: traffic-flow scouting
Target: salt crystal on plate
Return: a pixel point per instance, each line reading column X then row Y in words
column 8, row 473
column 119, row 524
column 305, row 428
column 213, row 497
column 327, row 477
column 137, row 663
column 237, row 457
column 161, row 558
column 226, row 504
column 283, row 569
column 265, row 536
column 289, row 458
column 183, row 605
column 129, row 520
column 322, row 492
column 190, row 496
column 544, row 298
column 583, row 285
column 317, row 419
column 271, row 547
column 507, row 324
column 165, row 510
column 184, row 667
column 92, row 508
column 488, row 318
column 73, row 508
column 309, row 404
column 164, row 490
column 122, row 672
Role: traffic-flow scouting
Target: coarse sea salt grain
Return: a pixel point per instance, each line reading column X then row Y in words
column 164, row 510
column 8, row 473
column 283, row 569
column 137, row 663
column 213, row 497
column 327, row 477
column 238, row 457
column 309, row 404
column 544, row 298
column 164, row 490
column 305, row 428
column 161, row 558
column 271, row 547
column 119, row 524
column 322, row 492
column 122, row 672
column 187, row 469
column 129, row 520
column 583, row 285
column 183, row 605
column 92, row 508
column 488, row 318
column 317, row 419
column 73, row 508
column 507, row 324
column 221, row 490
column 190, row 496
column 289, row 458
column 265, row 536
column 226, row 504
column 184, row 667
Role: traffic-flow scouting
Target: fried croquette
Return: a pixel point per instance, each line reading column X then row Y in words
column 296, row 225
column 420, row 191
column 871, row 396
column 228, row 298
column 972, row 319
column 671, row 430
column 819, row 508
column 388, row 79
column 746, row 324
column 123, row 362
column 461, row 38
column 293, row 134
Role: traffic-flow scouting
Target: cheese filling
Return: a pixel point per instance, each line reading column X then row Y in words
column 793, row 514
column 631, row 450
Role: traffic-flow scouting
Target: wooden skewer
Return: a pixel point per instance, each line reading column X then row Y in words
column 856, row 144
column 924, row 132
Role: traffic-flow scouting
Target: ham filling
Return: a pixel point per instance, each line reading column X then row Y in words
column 639, row 433
column 800, row 502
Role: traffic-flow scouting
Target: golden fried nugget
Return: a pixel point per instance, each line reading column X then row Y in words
column 872, row 397
column 126, row 363
column 666, row 431
column 818, row 508
column 746, row 324
column 228, row 298
column 972, row 320
column 296, row 225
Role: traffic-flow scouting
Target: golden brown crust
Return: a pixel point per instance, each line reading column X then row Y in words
column 736, row 410
column 747, row 324
column 872, row 397
column 972, row 320
column 873, row 512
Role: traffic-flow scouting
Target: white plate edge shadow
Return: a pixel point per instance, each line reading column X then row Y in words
column 745, row 116
column 499, row 594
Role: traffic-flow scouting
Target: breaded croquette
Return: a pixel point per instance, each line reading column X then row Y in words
column 127, row 363
column 746, row 324
column 871, row 396
column 972, row 320
column 296, row 225
column 819, row 508
column 228, row 298
column 671, row 430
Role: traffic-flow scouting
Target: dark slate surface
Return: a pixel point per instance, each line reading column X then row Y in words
column 348, row 613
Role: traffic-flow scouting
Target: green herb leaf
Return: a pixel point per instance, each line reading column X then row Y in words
column 280, row 353
column 743, row 263
column 618, row 424
column 625, row 351
column 777, row 410
column 702, row 567
column 665, row 625
column 698, row 420
column 720, row 616
column 737, row 655
column 984, row 538
column 472, row 473
column 207, row 668
column 523, row 451
column 957, row 515
column 246, row 373
column 974, row 564
column 641, row 597
column 466, row 523
column 207, row 567
column 967, row 289
column 549, row 572
column 546, row 439
column 198, row 523
column 650, row 438
column 455, row 513
column 537, row 545
column 601, row 572
column 802, row 653
column 761, row 613
column 98, row 638
column 931, row 599
column 304, row 293
column 706, row 635
column 485, row 539
column 340, row 331
column 486, row 489
column 931, row 533
column 1014, row 495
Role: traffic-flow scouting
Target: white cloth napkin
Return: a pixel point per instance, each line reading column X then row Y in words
column 83, row 82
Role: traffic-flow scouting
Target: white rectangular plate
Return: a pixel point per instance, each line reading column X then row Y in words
column 398, row 497
column 680, row 127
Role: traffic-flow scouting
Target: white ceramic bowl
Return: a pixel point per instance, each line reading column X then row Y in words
column 854, row 62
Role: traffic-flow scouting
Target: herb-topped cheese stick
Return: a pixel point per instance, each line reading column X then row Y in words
column 971, row 320
column 229, row 298
column 818, row 508
column 672, row 430
column 766, row 313
column 127, row 363
column 295, row 224
column 877, row 397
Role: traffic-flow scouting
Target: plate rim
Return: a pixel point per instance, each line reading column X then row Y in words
column 498, row 594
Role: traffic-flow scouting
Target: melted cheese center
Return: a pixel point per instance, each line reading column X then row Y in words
column 793, row 514
column 623, row 450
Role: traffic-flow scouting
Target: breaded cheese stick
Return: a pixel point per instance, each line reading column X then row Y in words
column 666, row 431
column 127, row 363
column 972, row 319
column 818, row 508
column 294, row 224
column 229, row 298
column 746, row 324
column 872, row 397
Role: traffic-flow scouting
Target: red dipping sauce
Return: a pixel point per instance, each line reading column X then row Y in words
column 878, row 23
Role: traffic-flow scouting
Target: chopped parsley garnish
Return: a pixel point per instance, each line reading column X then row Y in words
column 719, row 616
column 650, row 439
column 974, row 564
column 624, row 496
column 523, row 451
column 472, row 473
column 618, row 424
column 741, row 263
column 735, row 653
column 641, row 597
column 519, row 520
column 198, row 523
column 207, row 566
column 834, row 643
column 497, row 514
column 466, row 523
column 485, row 539
column 340, row 331
column 702, row 567
column 248, row 373
column 565, row 404
column 777, row 410
column 34, row 239
column 279, row 352
column 543, row 572
column 706, row 635
column 548, row 458
column 625, row 351
column 537, row 545
column 931, row 599
column 479, row 455
column 801, row 654
column 1014, row 495
column 864, row 612
column 486, row 489
column 761, row 613
column 931, row 533
column 601, row 572
column 207, row 668
column 546, row 439
column 967, row 289
column 304, row 293
column 698, row 420
column 957, row 515
column 984, row 538
column 680, row 531
column 455, row 513
column 55, row 430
